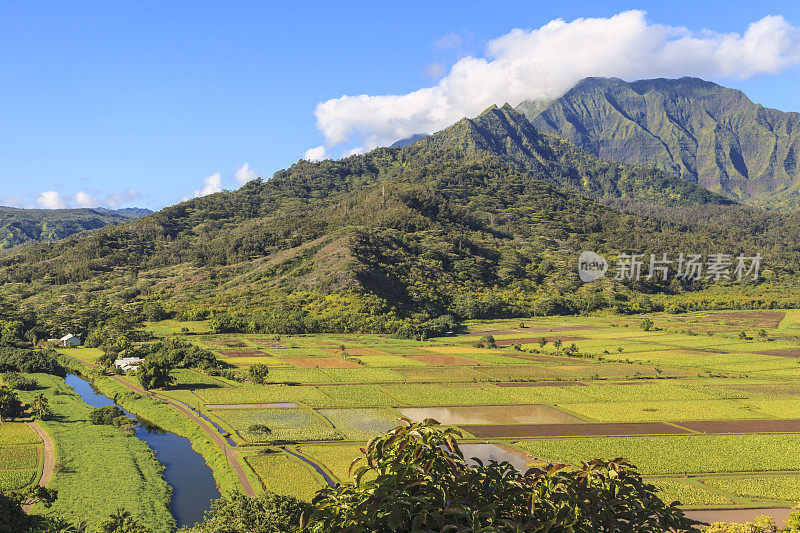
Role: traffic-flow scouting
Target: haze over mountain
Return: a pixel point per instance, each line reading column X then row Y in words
column 23, row 226
column 701, row 131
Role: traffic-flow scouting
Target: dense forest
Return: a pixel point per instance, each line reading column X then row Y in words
column 22, row 226
column 485, row 218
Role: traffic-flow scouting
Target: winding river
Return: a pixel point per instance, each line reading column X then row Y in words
column 192, row 482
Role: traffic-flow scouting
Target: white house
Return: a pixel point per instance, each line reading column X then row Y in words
column 128, row 363
column 68, row 340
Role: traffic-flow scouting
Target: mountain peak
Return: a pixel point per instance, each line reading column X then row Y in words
column 701, row 131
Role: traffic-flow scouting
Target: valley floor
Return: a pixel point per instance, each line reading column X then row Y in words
column 706, row 404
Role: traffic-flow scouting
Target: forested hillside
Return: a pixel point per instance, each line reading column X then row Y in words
column 483, row 219
column 22, row 226
column 701, row 131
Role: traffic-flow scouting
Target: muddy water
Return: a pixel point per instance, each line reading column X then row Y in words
column 739, row 516
column 493, row 452
column 491, row 414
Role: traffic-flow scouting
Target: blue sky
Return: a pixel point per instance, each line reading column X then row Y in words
column 142, row 103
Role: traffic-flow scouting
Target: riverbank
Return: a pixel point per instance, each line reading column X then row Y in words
column 161, row 414
column 202, row 438
column 99, row 468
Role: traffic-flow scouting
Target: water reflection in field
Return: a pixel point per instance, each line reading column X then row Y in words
column 491, row 414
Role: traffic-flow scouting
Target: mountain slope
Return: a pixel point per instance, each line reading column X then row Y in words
column 482, row 219
column 701, row 131
column 22, row 226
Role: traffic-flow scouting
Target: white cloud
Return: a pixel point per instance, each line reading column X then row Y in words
column 317, row 153
column 546, row 62
column 434, row 70
column 83, row 199
column 12, row 201
column 118, row 199
column 211, row 185
column 451, row 40
column 245, row 174
column 353, row 151
column 51, row 200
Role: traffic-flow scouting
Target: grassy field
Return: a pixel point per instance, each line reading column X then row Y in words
column 740, row 367
column 285, row 474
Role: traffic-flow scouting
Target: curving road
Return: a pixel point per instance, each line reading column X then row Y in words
column 48, row 458
column 226, row 449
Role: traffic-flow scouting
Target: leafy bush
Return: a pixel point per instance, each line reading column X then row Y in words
column 258, row 373
column 105, row 416
column 30, row 361
column 17, row 381
column 487, row 341
column 267, row 513
column 416, row 479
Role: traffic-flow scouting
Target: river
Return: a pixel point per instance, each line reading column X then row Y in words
column 192, row 482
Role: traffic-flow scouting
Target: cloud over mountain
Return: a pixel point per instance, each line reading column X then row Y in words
column 547, row 61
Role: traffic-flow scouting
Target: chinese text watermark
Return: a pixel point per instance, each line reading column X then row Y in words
column 663, row 267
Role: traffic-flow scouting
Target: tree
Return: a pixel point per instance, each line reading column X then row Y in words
column 646, row 324
column 258, row 373
column 415, row 478
column 486, row 341
column 9, row 403
column 259, row 430
column 267, row 513
column 40, row 406
column 543, row 342
column 155, row 374
column 105, row 415
column 121, row 521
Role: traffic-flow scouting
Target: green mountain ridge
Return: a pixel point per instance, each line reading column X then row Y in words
column 701, row 131
column 484, row 218
column 23, row 226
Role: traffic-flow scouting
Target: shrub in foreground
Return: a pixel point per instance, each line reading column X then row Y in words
column 415, row 478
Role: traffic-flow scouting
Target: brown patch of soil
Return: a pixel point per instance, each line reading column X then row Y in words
column 790, row 352
column 354, row 351
column 321, row 362
column 743, row 319
column 572, row 430
column 742, row 426
column 535, row 340
column 542, row 384
column 443, row 360
column 538, row 329
column 244, row 353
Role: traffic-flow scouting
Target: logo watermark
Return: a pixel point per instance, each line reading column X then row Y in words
column 591, row 266
column 633, row 267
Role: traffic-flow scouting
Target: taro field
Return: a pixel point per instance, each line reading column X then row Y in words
column 20, row 455
column 707, row 405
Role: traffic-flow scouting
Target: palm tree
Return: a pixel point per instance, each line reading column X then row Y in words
column 40, row 406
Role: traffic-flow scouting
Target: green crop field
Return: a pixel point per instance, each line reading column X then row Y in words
column 337, row 458
column 784, row 488
column 690, row 493
column 20, row 456
column 361, row 424
column 284, row 474
column 285, row 424
column 654, row 411
column 16, row 479
column 356, row 396
column 17, row 433
column 679, row 454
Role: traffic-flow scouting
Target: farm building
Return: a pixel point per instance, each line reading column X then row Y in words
column 67, row 340
column 128, row 363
